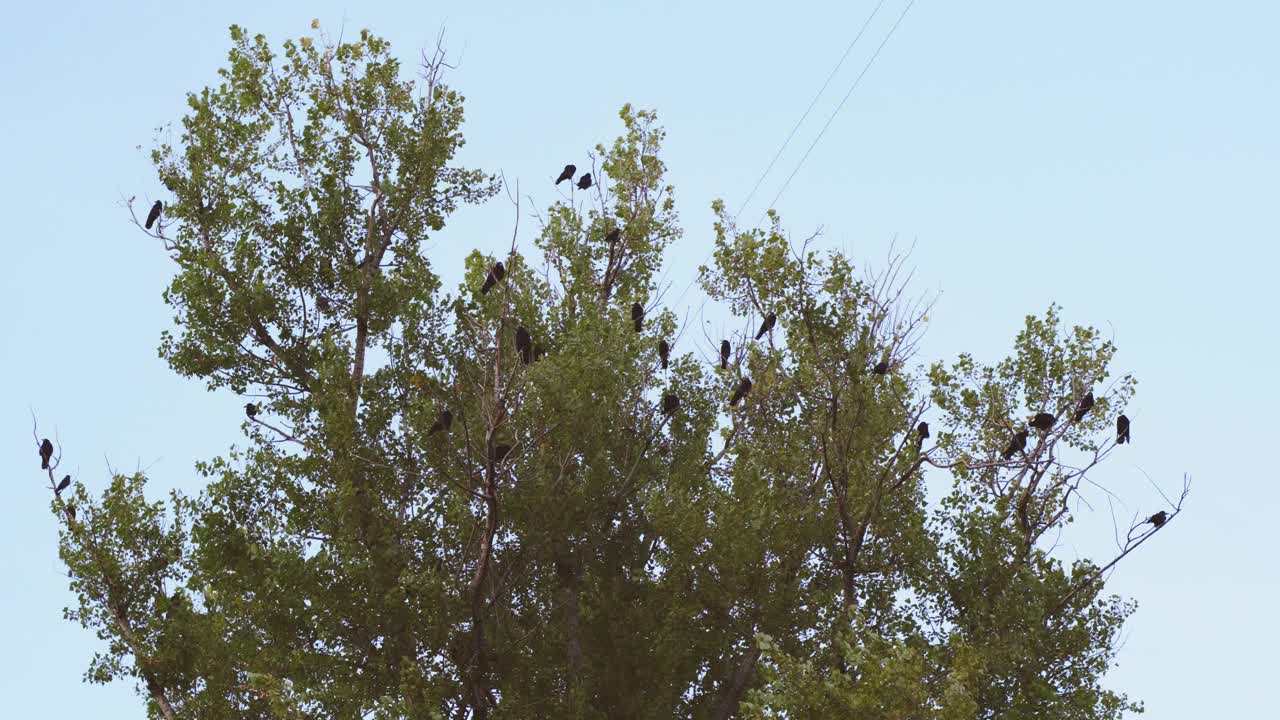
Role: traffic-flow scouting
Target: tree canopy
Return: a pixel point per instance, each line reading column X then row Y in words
column 455, row 504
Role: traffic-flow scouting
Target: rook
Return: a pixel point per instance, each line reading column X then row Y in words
column 767, row 325
column 1122, row 430
column 664, row 352
column 1083, row 407
column 637, row 316
column 1016, row 445
column 566, row 174
column 724, row 354
column 496, row 273
column 66, row 481
column 670, row 403
column 584, row 182
column 154, row 215
column 1043, row 421
column 46, row 452
column 1159, row 518
column 740, row 392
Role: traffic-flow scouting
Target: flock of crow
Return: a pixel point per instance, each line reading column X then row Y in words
column 530, row 352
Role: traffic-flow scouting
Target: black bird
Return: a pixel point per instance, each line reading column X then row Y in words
column 66, row 481
column 1043, row 421
column 1016, row 445
column 740, row 392
column 724, row 354
column 524, row 344
column 567, row 173
column 538, row 352
column 922, row 433
column 500, row 453
column 613, row 235
column 664, row 352
column 71, row 511
column 881, row 367
column 1159, row 518
column 767, row 325
column 1122, row 430
column 637, row 315
column 496, row 273
column 443, row 423
column 154, row 215
column 670, row 403
column 46, row 452
column 584, row 182
column 251, row 410
column 1083, row 407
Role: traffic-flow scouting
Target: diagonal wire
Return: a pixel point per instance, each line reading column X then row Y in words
column 807, row 110
column 847, row 95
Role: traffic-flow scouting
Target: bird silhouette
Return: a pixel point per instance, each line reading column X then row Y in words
column 584, row 182
column 1016, row 445
column 1122, row 430
column 724, row 354
column 664, row 352
column 71, row 512
column 46, row 452
column 500, row 453
column 154, row 215
column 740, row 392
column 1158, row 519
column 881, row 367
column 637, row 316
column 524, row 344
column 496, row 273
column 1083, row 407
column 1043, row 421
column 670, row 403
column 538, row 352
column 613, row 235
column 442, row 423
column 767, row 325
column 922, row 433
column 66, row 481
column 566, row 174
column 251, row 410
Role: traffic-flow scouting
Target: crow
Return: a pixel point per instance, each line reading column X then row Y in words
column 637, row 315
column 740, row 392
column 538, row 352
column 567, row 173
column 1158, row 519
column 500, row 453
column 443, row 423
column 524, row 345
column 613, row 235
column 46, row 452
column 584, row 182
column 251, row 410
column 670, row 403
column 1122, row 430
column 664, row 352
column 66, row 481
column 154, row 215
column 71, row 512
column 724, row 354
column 496, row 273
column 881, row 367
column 1083, row 407
column 767, row 325
column 922, row 433
column 1016, row 445
column 1043, row 421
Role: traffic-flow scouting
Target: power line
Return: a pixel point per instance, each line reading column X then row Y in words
column 807, row 110
column 853, row 87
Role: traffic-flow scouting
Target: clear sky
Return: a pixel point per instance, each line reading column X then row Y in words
column 1119, row 158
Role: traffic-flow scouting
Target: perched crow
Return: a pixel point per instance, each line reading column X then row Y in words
column 46, row 452
column 767, row 325
column 524, row 345
column 664, row 352
column 584, row 182
column 71, row 512
column 881, row 367
column 637, row 315
column 251, row 410
column 154, row 215
column 1159, row 518
column 740, row 392
column 922, row 433
column 567, row 173
column 500, row 453
column 539, row 352
column 1083, row 407
column 1016, row 445
column 724, row 354
column 443, row 423
column 496, row 273
column 613, row 235
column 1043, row 421
column 66, row 481
column 670, row 403
column 1122, row 430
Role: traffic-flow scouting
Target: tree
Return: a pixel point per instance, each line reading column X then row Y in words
column 561, row 547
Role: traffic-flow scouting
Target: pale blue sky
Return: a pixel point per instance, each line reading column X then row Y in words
column 1119, row 158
